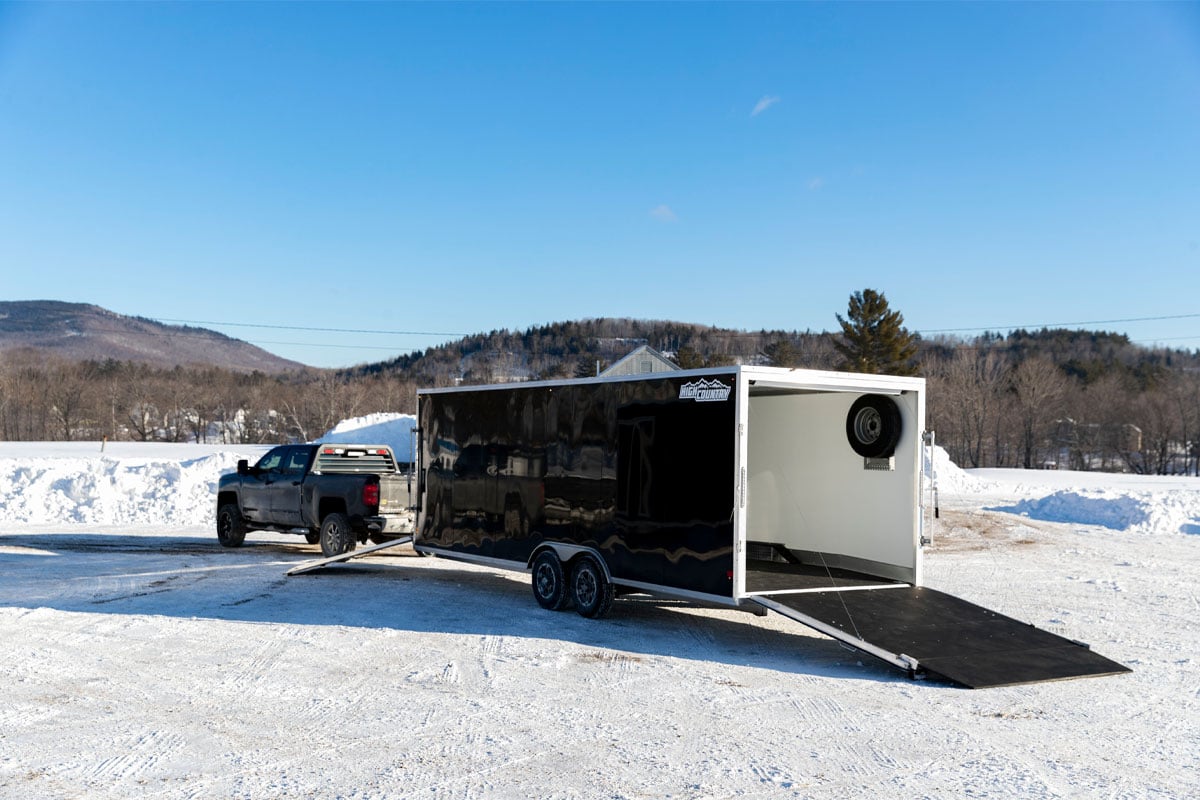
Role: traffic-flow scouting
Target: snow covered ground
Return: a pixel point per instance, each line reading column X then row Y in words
column 140, row 659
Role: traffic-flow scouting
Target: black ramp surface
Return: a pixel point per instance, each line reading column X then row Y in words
column 961, row 641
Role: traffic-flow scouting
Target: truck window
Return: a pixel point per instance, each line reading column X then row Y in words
column 271, row 461
column 296, row 462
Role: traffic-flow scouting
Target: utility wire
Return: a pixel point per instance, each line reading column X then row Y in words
column 730, row 334
column 207, row 334
column 1062, row 324
column 306, row 328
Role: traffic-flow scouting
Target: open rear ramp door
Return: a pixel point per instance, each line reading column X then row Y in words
column 923, row 630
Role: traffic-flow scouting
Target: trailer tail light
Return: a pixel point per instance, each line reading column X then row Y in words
column 371, row 495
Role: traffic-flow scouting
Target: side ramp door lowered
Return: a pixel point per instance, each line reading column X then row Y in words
column 924, row 630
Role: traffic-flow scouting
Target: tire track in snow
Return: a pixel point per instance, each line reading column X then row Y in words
column 249, row 675
column 142, row 754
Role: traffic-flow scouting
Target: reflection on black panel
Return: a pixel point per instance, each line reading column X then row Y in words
column 627, row 468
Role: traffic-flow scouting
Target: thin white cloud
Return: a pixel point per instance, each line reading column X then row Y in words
column 663, row 213
column 816, row 183
column 762, row 105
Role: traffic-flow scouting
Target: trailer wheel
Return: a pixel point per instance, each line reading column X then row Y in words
column 549, row 582
column 312, row 537
column 873, row 426
column 590, row 588
column 336, row 536
column 231, row 528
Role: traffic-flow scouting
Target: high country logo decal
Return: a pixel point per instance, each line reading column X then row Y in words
column 703, row 391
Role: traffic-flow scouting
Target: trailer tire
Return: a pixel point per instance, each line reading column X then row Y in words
column 231, row 528
column 336, row 536
column 590, row 588
column 312, row 537
column 873, row 426
column 550, row 582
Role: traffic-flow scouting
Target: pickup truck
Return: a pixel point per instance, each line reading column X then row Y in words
column 334, row 494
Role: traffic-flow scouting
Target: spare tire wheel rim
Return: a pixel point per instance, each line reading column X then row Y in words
column 868, row 425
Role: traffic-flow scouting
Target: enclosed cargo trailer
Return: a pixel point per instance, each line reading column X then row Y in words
column 796, row 491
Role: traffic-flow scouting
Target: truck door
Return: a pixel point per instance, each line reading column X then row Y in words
column 285, row 492
column 257, row 485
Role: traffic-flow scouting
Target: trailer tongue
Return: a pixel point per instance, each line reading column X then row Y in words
column 922, row 630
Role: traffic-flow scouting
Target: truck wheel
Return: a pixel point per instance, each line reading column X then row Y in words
column 873, row 426
column 231, row 528
column 549, row 582
column 312, row 537
column 590, row 588
column 336, row 536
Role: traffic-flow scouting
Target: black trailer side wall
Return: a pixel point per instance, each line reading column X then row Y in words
column 640, row 470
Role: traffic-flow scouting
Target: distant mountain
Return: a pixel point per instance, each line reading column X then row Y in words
column 80, row 332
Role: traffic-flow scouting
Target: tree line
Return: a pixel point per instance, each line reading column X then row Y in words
column 1036, row 399
column 51, row 399
column 1022, row 401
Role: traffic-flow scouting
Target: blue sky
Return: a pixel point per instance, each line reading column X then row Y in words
column 430, row 170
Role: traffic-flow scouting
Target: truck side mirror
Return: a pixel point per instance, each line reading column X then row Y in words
column 243, row 467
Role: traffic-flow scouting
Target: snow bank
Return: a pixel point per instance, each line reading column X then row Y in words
column 1144, row 512
column 151, row 484
column 103, row 490
column 950, row 478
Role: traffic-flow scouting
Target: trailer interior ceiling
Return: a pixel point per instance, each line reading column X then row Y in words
column 814, row 500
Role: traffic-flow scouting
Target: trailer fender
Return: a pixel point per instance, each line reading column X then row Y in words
column 567, row 552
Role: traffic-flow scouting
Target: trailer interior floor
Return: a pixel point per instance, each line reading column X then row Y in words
column 773, row 577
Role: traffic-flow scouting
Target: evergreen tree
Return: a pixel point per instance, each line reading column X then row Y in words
column 782, row 353
column 874, row 338
column 688, row 358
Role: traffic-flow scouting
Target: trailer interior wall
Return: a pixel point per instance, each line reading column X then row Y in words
column 809, row 491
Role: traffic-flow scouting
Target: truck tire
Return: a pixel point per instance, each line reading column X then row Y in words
column 336, row 535
column 231, row 528
column 549, row 582
column 312, row 537
column 873, row 426
column 590, row 588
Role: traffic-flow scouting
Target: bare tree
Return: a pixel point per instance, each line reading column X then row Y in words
column 1103, row 409
column 1185, row 393
column 1038, row 388
column 966, row 396
column 69, row 391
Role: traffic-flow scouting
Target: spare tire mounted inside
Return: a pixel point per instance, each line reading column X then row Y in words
column 873, row 426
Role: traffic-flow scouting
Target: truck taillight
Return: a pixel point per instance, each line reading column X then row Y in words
column 371, row 494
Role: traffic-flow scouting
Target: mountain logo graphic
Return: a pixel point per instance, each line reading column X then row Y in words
column 704, row 391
